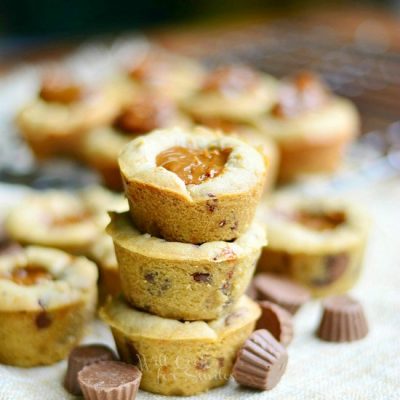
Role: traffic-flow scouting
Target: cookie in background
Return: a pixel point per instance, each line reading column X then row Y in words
column 47, row 299
column 229, row 99
column 67, row 221
column 318, row 242
column 102, row 145
column 157, row 71
column 311, row 126
column 64, row 109
column 232, row 94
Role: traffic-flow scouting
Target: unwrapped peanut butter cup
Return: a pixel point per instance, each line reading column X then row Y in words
column 281, row 291
column 277, row 321
column 109, row 380
column 260, row 362
column 343, row 320
column 80, row 357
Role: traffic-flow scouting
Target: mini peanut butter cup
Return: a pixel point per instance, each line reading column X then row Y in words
column 277, row 321
column 80, row 357
column 343, row 320
column 284, row 292
column 261, row 361
column 109, row 380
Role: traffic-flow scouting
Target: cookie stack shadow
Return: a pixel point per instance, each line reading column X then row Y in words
column 182, row 315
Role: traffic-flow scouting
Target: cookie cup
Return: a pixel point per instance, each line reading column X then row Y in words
column 156, row 275
column 326, row 261
column 52, row 128
column 314, row 141
column 240, row 107
column 157, row 71
column 180, row 358
column 41, row 322
column 54, row 219
column 219, row 208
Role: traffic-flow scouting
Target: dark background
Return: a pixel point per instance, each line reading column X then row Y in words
column 77, row 18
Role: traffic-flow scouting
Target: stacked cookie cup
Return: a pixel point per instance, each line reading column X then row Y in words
column 186, row 252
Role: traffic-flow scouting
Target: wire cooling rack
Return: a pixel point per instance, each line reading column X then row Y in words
column 363, row 68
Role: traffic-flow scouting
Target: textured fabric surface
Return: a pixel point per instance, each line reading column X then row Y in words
column 369, row 369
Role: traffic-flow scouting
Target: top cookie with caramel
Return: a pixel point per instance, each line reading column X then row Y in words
column 213, row 180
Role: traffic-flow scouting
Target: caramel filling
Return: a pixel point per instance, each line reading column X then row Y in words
column 58, row 87
column 145, row 115
column 28, row 276
column 320, row 221
column 193, row 166
column 303, row 92
column 231, row 79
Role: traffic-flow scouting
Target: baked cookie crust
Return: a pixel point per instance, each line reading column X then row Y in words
column 219, row 208
column 180, row 358
column 156, row 275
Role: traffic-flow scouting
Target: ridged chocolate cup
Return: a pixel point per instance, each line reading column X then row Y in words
column 284, row 292
column 109, row 380
column 80, row 357
column 343, row 320
column 260, row 362
column 277, row 321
